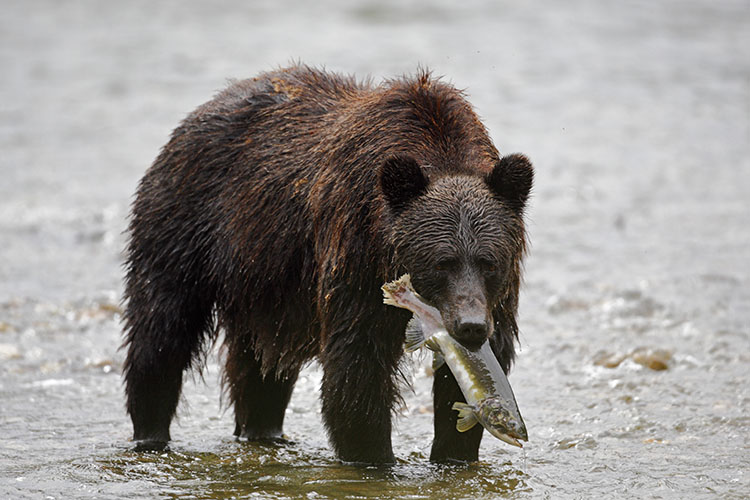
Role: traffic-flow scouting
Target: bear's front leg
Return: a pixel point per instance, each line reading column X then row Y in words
column 450, row 445
column 360, row 358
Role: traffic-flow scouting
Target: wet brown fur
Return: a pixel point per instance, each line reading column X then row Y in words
column 264, row 216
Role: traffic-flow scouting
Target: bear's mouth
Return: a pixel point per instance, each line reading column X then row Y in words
column 471, row 327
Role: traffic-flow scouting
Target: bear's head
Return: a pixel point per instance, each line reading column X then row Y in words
column 461, row 238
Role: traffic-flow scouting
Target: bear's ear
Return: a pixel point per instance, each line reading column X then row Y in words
column 511, row 180
column 401, row 180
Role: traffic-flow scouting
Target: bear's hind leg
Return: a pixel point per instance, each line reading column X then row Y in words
column 259, row 399
column 165, row 334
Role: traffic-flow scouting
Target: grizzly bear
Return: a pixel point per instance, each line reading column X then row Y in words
column 275, row 213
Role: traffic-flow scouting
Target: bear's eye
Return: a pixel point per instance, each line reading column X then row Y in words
column 447, row 264
column 487, row 266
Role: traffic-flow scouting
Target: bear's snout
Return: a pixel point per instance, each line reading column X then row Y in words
column 470, row 322
column 465, row 310
column 471, row 334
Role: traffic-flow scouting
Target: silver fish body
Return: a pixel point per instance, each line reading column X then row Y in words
column 489, row 398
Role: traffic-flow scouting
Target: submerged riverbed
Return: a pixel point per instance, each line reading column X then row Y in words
column 635, row 313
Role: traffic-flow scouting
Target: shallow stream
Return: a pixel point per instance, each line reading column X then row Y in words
column 632, row 374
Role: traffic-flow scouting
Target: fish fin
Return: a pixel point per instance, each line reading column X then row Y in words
column 414, row 336
column 432, row 345
column 466, row 416
column 437, row 360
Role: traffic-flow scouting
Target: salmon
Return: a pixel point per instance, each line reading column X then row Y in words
column 489, row 398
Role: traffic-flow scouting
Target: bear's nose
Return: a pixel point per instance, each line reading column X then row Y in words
column 471, row 334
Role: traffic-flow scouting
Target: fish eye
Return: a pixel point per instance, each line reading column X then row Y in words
column 500, row 415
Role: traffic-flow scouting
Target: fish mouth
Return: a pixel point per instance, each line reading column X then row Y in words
column 506, row 438
column 504, row 421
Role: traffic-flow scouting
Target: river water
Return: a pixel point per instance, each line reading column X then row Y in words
column 635, row 314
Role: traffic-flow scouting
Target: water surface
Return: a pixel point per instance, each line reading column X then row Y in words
column 635, row 315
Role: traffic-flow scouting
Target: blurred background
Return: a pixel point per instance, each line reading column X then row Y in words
column 635, row 315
